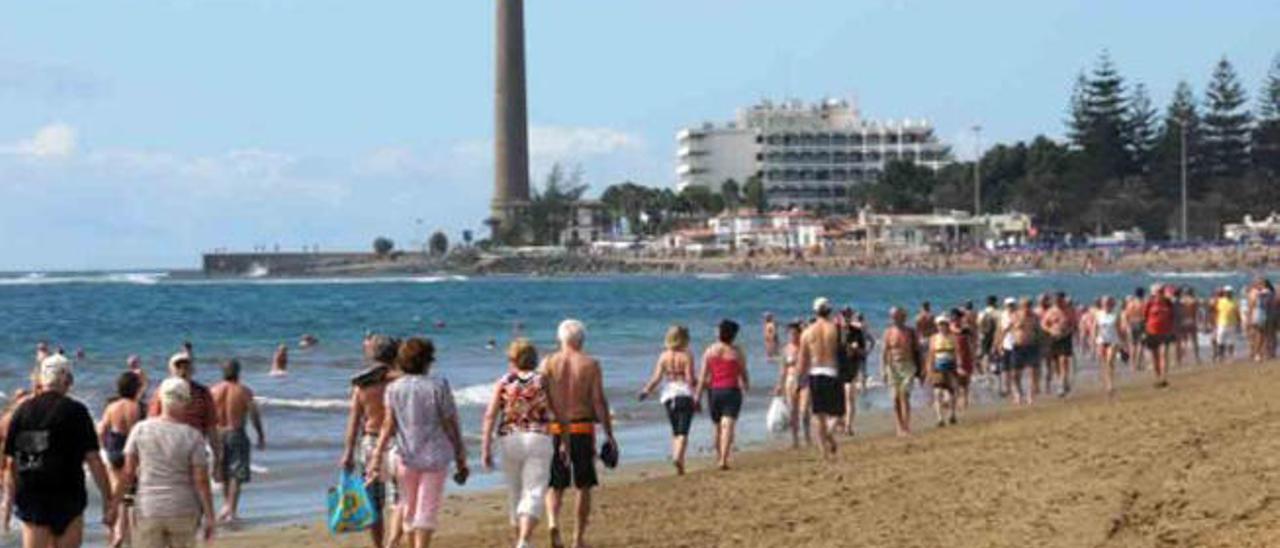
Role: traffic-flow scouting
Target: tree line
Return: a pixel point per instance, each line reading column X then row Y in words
column 1121, row 164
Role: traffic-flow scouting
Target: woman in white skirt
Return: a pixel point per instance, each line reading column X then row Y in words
column 521, row 412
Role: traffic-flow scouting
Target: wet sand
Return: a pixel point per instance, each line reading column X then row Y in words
column 1197, row 464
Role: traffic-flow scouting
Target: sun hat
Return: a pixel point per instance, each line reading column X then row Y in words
column 821, row 303
column 179, row 357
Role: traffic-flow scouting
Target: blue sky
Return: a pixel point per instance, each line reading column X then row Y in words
column 140, row 133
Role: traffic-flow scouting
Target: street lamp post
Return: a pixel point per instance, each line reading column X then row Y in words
column 977, row 167
column 1182, row 126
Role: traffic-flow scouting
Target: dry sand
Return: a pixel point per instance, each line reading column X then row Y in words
column 1197, row 464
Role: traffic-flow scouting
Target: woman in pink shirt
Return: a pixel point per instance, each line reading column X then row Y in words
column 724, row 379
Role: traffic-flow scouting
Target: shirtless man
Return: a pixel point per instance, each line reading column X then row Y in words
column 770, row 337
column 364, row 423
column 280, row 361
column 1133, row 320
column 817, row 362
column 899, row 365
column 233, row 403
column 1023, row 352
column 1059, row 324
column 576, row 382
column 925, row 327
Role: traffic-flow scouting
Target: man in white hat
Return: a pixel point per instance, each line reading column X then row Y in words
column 200, row 413
column 817, row 362
column 51, row 440
column 169, row 463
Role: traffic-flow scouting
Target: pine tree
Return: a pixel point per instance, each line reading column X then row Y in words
column 1098, row 121
column 1226, row 123
column 1078, row 124
column 1269, row 100
column 1266, row 137
column 1167, row 166
column 1141, row 130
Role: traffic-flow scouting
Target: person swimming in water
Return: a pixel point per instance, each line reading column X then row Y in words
column 280, row 361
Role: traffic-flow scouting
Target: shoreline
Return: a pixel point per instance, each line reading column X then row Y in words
column 1071, row 456
column 470, row 262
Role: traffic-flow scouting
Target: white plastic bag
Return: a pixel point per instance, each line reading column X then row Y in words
column 778, row 418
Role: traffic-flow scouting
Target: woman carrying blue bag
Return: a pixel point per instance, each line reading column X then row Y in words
column 350, row 509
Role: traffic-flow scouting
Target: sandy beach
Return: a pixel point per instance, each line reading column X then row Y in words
column 1194, row 465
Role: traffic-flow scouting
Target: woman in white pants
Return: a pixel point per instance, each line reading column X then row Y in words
column 522, row 411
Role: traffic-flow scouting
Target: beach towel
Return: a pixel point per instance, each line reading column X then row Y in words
column 350, row 509
column 779, row 415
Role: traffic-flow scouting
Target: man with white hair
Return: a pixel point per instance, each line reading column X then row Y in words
column 51, row 440
column 577, row 386
column 169, row 463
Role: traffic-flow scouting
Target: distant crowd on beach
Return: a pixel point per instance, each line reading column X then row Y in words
column 155, row 451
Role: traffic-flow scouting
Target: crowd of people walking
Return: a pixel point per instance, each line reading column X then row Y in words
column 154, row 453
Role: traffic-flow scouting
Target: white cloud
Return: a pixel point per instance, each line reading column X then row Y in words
column 54, row 141
column 557, row 143
column 393, row 161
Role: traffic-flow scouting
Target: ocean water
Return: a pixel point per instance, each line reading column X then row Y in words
column 112, row 315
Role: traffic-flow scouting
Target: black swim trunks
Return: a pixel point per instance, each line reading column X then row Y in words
column 1061, row 347
column 236, row 451
column 1022, row 357
column 581, row 469
column 725, row 402
column 826, row 394
column 680, row 413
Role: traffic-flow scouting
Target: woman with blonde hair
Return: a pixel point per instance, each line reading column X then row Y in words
column 675, row 365
column 522, row 409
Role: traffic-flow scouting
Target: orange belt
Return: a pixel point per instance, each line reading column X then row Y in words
column 576, row 428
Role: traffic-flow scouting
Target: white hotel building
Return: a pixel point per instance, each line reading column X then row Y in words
column 806, row 155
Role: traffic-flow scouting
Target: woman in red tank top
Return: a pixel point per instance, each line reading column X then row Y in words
column 1158, row 316
column 724, row 379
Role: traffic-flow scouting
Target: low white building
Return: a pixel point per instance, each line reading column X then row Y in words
column 747, row 230
column 588, row 224
column 1252, row 230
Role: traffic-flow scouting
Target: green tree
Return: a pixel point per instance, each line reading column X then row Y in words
column 754, row 194
column 467, row 237
column 1269, row 99
column 701, row 201
column 627, row 201
column 729, row 190
column 1165, row 178
column 1097, row 123
column 438, row 244
column 549, row 210
column 903, row 188
column 1266, row 136
column 383, row 246
column 1226, row 123
column 1142, row 127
